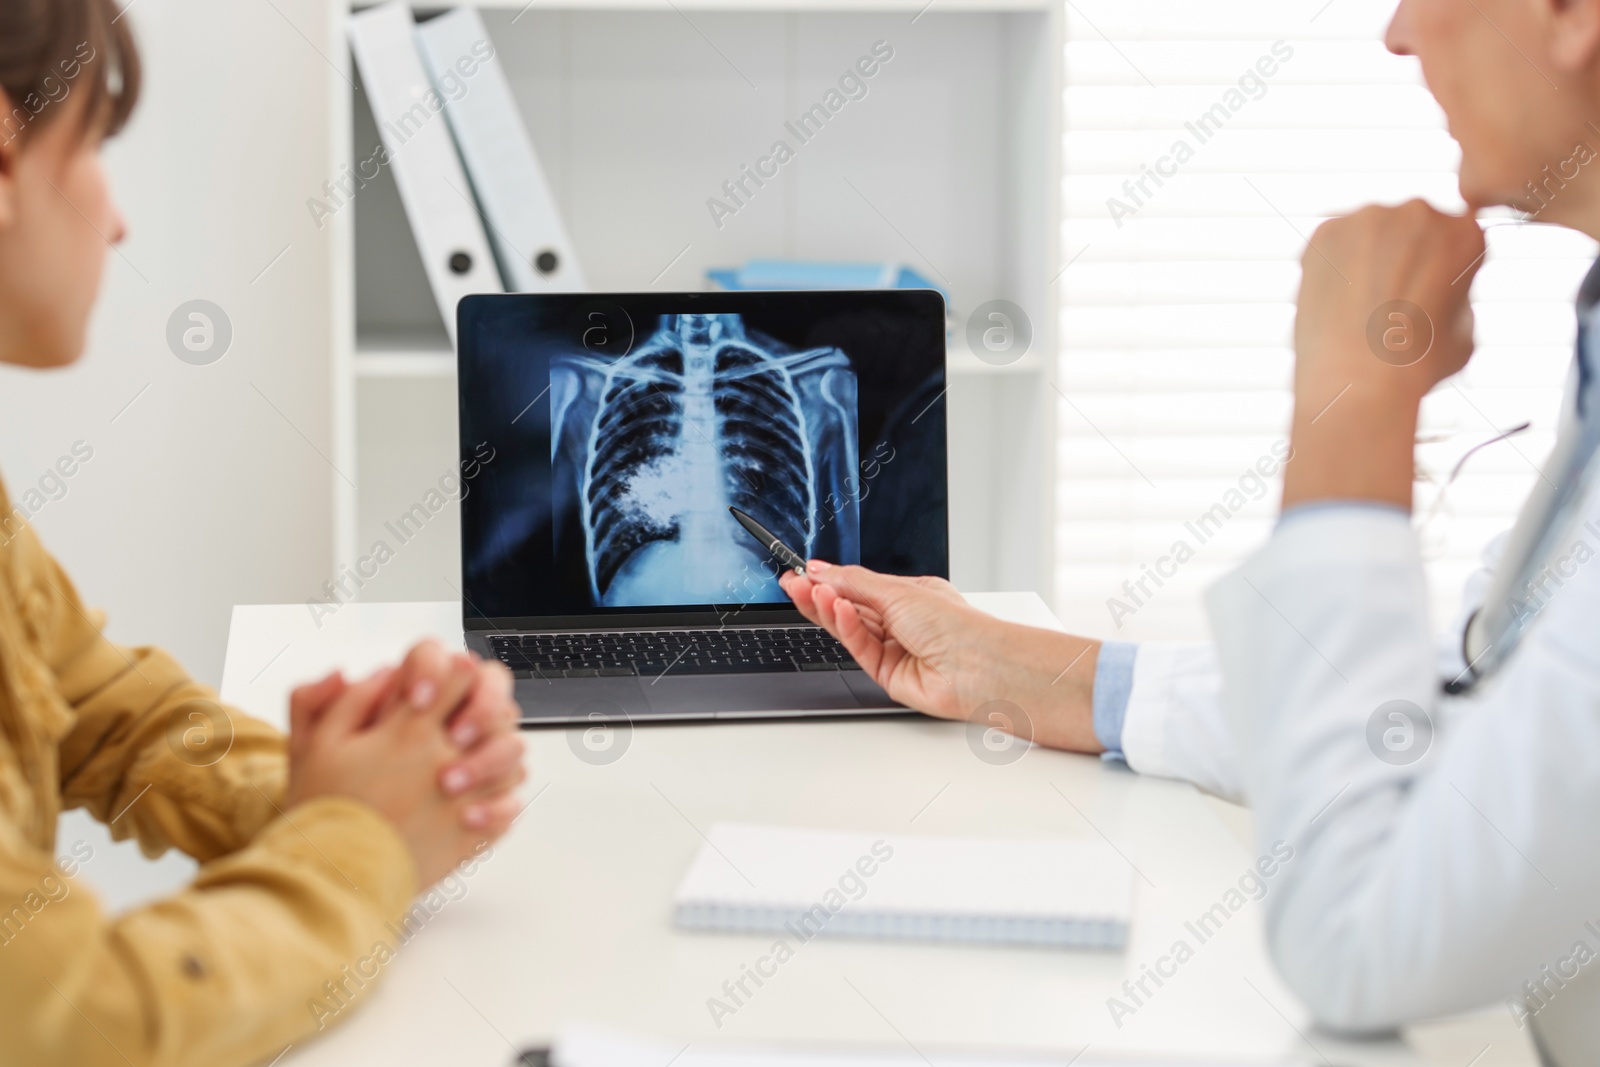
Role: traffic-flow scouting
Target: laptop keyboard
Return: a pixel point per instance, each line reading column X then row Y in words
column 652, row 653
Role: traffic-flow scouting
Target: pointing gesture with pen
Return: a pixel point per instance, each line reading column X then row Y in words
column 931, row 650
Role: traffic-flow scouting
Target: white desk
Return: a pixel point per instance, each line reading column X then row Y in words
column 571, row 918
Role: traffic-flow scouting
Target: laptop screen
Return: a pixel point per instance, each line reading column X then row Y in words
column 604, row 437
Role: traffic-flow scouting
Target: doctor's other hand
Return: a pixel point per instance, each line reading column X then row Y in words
column 1383, row 316
column 1384, row 299
column 931, row 650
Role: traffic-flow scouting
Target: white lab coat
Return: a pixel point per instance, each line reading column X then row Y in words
column 1418, row 889
column 1175, row 726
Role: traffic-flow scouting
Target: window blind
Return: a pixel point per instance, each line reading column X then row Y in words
column 1202, row 145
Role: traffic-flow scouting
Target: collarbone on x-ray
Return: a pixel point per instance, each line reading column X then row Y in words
column 704, row 414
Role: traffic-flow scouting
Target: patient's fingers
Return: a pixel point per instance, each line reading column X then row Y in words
column 489, row 709
column 417, row 680
column 307, row 705
column 447, row 694
column 493, row 816
column 495, row 764
column 354, row 706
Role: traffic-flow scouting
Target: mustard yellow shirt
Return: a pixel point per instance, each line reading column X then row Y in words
column 231, row 970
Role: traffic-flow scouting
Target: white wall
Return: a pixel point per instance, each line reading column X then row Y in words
column 200, row 495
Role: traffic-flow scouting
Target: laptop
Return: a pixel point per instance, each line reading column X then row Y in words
column 604, row 438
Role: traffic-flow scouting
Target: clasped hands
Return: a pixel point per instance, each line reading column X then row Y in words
column 432, row 745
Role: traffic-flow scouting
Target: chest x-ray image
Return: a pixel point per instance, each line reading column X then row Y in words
column 625, row 424
column 651, row 448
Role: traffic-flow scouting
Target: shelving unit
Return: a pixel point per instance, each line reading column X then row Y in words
column 640, row 109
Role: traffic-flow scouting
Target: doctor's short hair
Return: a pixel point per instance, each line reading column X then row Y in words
column 53, row 50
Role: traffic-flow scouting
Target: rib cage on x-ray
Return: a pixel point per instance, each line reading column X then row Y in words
column 701, row 416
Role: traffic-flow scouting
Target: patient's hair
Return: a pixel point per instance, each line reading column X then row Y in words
column 51, row 49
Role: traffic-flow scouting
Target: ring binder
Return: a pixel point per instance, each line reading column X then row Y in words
column 525, row 228
column 417, row 142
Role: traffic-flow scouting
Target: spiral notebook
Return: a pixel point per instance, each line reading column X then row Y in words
column 1050, row 892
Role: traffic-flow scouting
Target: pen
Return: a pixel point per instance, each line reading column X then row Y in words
column 769, row 540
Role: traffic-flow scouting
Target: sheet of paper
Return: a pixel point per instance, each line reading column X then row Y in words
column 583, row 1047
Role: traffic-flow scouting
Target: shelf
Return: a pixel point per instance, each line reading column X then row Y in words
column 391, row 359
column 639, row 114
column 963, row 364
column 390, row 363
column 914, row 7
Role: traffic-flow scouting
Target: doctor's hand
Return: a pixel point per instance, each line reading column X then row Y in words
column 1383, row 317
column 930, row 650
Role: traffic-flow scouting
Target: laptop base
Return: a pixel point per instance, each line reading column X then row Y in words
column 700, row 697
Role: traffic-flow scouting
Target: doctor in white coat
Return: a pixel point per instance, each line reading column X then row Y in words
column 1444, row 793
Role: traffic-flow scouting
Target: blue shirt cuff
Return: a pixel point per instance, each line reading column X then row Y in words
column 1113, row 685
column 1312, row 507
